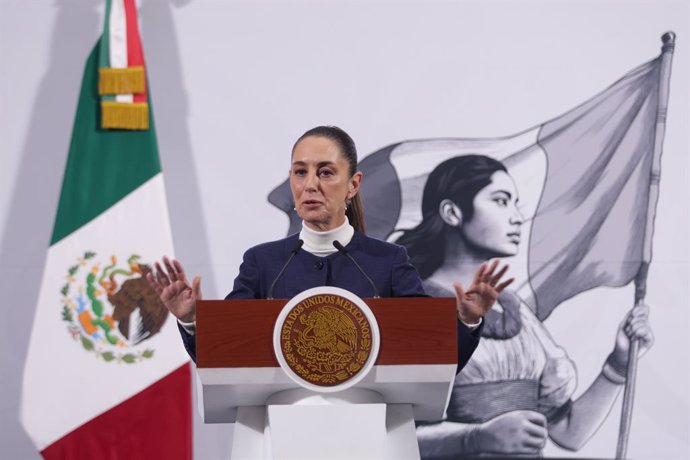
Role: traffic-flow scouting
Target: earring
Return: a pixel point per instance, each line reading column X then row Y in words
column 348, row 202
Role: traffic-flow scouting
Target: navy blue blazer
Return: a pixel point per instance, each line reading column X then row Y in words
column 387, row 264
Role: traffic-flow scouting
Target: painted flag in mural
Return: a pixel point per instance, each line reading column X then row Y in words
column 106, row 375
column 583, row 180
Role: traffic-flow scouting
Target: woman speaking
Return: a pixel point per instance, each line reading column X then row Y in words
column 324, row 182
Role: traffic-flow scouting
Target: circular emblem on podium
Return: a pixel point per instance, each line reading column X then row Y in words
column 326, row 339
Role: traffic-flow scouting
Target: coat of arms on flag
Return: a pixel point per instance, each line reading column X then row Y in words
column 110, row 309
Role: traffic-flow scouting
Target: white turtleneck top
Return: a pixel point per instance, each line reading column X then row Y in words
column 321, row 243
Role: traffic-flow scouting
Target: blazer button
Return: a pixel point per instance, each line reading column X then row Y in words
column 318, row 264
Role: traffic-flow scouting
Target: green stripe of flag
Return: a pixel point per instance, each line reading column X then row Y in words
column 104, row 51
column 104, row 56
column 103, row 166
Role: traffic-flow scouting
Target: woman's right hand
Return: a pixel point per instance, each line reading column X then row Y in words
column 174, row 290
column 515, row 432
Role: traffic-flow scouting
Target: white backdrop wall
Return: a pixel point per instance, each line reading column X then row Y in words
column 234, row 83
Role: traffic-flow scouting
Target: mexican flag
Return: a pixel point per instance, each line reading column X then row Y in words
column 106, row 374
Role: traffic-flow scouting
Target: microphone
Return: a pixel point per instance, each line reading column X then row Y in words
column 295, row 250
column 347, row 254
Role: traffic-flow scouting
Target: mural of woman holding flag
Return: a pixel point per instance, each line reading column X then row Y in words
column 589, row 181
column 517, row 389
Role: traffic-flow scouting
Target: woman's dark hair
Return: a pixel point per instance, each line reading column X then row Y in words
column 458, row 179
column 355, row 210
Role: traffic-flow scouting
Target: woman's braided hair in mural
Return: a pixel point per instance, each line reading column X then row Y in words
column 458, row 179
column 355, row 209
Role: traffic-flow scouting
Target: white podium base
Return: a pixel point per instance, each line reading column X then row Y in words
column 301, row 425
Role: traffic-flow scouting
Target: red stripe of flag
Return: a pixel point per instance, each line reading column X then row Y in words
column 135, row 53
column 154, row 423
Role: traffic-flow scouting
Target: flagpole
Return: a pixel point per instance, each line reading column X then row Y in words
column 669, row 43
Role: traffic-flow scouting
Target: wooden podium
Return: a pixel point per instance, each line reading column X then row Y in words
column 242, row 382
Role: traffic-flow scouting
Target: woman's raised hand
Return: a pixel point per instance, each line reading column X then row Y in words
column 635, row 326
column 174, row 290
column 482, row 294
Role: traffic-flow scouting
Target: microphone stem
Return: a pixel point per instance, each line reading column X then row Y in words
column 299, row 244
column 338, row 245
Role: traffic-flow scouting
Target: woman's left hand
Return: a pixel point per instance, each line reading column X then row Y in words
column 635, row 326
column 482, row 294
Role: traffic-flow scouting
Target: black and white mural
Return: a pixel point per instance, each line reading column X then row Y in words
column 571, row 204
